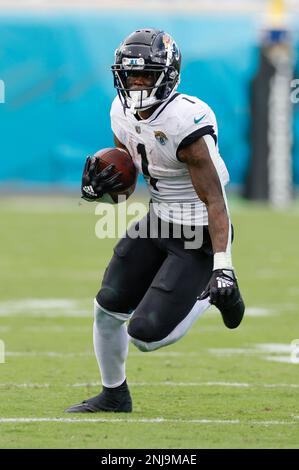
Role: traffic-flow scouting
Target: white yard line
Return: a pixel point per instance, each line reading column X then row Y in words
column 48, row 314
column 146, row 420
column 91, row 353
column 83, row 307
column 283, row 359
column 24, row 385
column 173, row 384
column 265, row 351
column 47, row 354
column 274, row 347
column 231, row 351
column 46, row 308
column 155, row 384
column 259, row 312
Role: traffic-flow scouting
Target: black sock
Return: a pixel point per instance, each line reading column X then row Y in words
column 122, row 387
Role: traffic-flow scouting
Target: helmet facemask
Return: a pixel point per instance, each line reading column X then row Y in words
column 166, row 79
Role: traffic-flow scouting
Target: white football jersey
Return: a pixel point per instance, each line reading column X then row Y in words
column 154, row 143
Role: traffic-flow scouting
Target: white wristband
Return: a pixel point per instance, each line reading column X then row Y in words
column 222, row 260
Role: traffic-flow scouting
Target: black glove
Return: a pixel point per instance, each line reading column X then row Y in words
column 221, row 288
column 94, row 185
column 224, row 293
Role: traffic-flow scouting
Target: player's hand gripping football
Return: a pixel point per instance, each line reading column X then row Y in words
column 95, row 184
column 224, row 293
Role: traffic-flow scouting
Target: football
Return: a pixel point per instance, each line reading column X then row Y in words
column 123, row 163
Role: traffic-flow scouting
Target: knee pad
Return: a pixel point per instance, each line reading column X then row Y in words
column 145, row 340
column 141, row 329
column 143, row 334
column 111, row 300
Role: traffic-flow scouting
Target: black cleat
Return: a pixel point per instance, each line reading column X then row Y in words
column 232, row 315
column 110, row 399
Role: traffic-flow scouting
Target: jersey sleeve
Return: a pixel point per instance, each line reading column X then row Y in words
column 116, row 118
column 196, row 120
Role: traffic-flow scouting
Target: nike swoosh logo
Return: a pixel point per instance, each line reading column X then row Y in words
column 196, row 121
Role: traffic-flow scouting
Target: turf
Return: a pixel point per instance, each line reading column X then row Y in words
column 213, row 389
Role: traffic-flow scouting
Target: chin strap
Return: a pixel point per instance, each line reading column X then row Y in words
column 136, row 98
column 132, row 108
column 133, row 103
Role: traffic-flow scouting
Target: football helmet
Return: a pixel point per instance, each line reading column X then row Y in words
column 149, row 50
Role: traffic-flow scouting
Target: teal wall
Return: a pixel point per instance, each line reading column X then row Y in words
column 58, row 86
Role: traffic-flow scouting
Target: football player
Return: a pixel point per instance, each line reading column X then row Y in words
column 156, row 283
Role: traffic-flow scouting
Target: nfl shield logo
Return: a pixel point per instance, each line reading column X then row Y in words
column 138, row 129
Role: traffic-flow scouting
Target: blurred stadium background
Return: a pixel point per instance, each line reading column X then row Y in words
column 55, row 60
column 55, row 94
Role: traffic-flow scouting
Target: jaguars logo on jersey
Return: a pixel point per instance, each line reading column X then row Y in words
column 161, row 137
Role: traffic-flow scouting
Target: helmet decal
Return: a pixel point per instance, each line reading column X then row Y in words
column 133, row 61
column 167, row 40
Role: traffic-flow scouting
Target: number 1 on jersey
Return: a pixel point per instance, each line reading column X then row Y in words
column 144, row 164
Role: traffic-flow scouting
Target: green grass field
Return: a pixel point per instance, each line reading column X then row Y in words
column 214, row 389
